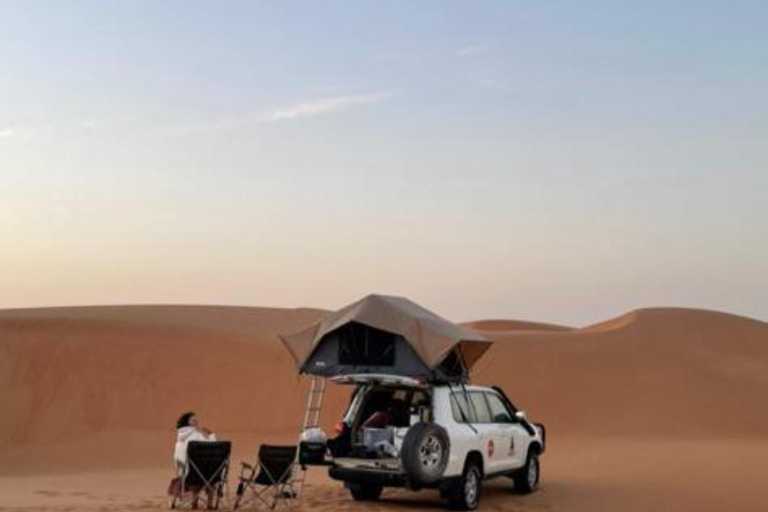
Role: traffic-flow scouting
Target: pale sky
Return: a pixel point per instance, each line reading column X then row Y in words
column 552, row 161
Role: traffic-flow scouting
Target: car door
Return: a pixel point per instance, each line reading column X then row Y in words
column 521, row 439
column 475, row 436
column 502, row 423
column 491, row 440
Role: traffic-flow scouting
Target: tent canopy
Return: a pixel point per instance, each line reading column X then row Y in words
column 385, row 334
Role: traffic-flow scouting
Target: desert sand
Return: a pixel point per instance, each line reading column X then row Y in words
column 657, row 410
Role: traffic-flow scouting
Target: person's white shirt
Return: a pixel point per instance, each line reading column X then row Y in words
column 183, row 437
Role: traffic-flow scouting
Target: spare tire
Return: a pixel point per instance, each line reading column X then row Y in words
column 425, row 453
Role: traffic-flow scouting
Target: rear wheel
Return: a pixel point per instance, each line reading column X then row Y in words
column 365, row 492
column 467, row 496
column 526, row 479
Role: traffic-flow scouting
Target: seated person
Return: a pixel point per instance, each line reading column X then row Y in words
column 187, row 429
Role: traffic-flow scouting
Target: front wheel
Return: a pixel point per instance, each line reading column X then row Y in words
column 365, row 492
column 468, row 494
column 526, row 479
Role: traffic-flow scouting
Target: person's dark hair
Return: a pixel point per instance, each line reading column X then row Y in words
column 184, row 420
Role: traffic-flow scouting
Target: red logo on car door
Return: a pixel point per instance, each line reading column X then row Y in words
column 490, row 448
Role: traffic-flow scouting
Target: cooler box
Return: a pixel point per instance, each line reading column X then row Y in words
column 312, row 454
column 373, row 436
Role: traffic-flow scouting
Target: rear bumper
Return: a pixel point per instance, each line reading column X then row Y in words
column 354, row 476
column 365, row 476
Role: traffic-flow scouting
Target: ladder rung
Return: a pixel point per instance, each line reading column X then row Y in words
column 311, row 420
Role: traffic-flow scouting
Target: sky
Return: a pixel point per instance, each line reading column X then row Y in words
column 552, row 161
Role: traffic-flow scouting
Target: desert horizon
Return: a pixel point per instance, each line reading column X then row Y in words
column 93, row 393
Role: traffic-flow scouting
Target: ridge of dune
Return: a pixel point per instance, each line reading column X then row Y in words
column 243, row 320
column 618, row 322
column 495, row 325
column 664, row 314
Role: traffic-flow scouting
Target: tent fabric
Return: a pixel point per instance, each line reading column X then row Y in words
column 430, row 336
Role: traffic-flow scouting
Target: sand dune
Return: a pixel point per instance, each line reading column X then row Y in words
column 72, row 373
column 655, row 372
column 97, row 388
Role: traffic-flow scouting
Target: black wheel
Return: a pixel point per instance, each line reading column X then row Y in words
column 365, row 492
column 425, row 453
column 526, row 479
column 467, row 496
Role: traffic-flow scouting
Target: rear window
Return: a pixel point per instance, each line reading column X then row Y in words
column 471, row 407
column 462, row 411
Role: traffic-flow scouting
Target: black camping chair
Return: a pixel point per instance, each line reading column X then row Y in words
column 206, row 471
column 270, row 481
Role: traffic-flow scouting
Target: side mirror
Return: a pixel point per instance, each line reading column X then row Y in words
column 520, row 416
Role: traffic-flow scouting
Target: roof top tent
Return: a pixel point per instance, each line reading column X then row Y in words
column 386, row 335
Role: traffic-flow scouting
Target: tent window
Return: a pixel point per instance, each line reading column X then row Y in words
column 452, row 366
column 360, row 345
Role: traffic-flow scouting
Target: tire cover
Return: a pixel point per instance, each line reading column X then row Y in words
column 419, row 446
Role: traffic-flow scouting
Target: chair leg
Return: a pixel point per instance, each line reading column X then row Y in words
column 219, row 495
column 247, row 492
column 279, row 495
column 240, row 495
column 259, row 496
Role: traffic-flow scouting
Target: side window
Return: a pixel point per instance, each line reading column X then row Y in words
column 480, row 407
column 419, row 398
column 400, row 394
column 499, row 411
column 462, row 410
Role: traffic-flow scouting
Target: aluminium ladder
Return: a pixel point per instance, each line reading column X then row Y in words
column 311, row 420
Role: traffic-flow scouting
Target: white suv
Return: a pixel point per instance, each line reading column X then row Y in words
column 399, row 432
